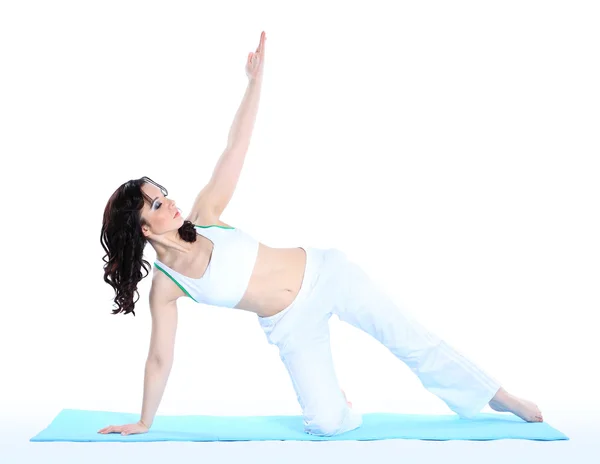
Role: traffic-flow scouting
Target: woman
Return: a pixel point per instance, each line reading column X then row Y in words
column 293, row 291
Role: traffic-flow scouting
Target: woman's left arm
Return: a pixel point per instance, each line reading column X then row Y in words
column 226, row 173
column 243, row 123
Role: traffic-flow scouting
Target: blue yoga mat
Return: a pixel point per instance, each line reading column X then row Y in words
column 83, row 425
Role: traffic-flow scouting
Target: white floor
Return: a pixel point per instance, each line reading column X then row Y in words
column 582, row 429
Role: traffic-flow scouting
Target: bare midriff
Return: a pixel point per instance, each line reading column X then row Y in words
column 275, row 281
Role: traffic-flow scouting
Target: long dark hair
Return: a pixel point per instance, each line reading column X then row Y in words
column 123, row 240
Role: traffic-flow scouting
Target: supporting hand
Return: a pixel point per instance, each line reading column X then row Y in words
column 138, row 427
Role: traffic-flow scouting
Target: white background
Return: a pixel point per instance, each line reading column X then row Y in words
column 450, row 148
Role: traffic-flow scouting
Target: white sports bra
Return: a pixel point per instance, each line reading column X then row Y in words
column 229, row 269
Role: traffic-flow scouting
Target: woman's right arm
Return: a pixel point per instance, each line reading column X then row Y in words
column 158, row 364
column 160, row 355
column 156, row 375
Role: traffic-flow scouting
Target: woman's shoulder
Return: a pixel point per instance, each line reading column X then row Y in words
column 163, row 287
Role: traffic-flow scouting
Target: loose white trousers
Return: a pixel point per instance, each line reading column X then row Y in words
column 333, row 284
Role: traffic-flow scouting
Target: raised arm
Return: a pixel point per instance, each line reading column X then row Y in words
column 217, row 193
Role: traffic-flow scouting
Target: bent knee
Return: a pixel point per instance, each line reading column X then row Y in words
column 330, row 424
column 467, row 413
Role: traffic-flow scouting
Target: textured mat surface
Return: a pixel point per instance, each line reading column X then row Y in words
column 83, row 425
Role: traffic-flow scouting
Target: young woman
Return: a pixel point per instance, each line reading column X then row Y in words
column 293, row 292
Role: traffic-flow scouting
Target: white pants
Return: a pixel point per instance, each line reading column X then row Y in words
column 333, row 284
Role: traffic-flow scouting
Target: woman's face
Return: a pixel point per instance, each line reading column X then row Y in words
column 163, row 215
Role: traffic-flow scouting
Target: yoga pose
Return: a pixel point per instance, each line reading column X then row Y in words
column 293, row 292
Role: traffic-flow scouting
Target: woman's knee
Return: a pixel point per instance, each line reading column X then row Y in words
column 330, row 423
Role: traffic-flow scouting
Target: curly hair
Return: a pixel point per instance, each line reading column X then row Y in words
column 123, row 240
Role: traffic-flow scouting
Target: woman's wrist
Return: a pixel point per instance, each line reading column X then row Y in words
column 255, row 80
column 144, row 424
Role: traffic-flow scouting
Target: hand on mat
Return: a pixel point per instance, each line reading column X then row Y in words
column 127, row 429
column 254, row 65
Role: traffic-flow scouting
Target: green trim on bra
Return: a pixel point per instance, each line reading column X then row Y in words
column 173, row 279
column 214, row 225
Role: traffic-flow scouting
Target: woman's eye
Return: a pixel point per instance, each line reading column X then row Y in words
column 157, row 204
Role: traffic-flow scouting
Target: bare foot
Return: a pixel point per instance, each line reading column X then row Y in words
column 525, row 409
column 347, row 402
